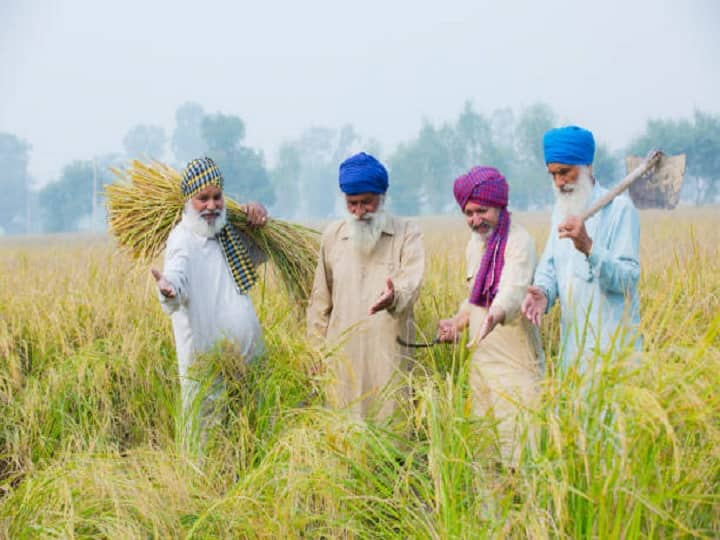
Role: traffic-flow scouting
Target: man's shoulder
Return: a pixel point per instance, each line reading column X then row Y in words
column 333, row 230
column 519, row 237
column 403, row 225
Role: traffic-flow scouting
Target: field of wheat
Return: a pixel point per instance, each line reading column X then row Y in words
column 90, row 444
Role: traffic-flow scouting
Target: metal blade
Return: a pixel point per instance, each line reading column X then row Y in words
column 404, row 343
column 659, row 187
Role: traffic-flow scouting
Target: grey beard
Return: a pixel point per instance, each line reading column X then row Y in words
column 366, row 232
column 197, row 224
column 573, row 202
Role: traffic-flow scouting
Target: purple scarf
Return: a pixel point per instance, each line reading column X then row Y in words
column 487, row 187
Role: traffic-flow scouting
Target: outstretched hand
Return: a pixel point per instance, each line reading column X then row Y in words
column 165, row 287
column 387, row 297
column 534, row 304
column 495, row 316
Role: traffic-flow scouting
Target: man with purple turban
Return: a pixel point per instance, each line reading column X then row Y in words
column 507, row 356
column 366, row 283
column 591, row 266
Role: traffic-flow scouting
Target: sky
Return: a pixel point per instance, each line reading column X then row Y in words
column 76, row 76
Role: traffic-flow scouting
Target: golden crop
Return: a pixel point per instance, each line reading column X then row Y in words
column 89, row 444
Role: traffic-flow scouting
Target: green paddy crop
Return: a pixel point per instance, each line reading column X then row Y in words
column 90, row 445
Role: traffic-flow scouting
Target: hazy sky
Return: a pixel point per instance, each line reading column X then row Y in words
column 77, row 75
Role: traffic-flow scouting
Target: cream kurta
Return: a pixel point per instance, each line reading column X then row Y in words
column 507, row 364
column 346, row 284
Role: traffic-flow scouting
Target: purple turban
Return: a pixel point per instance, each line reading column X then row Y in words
column 362, row 173
column 569, row 145
column 487, row 187
column 481, row 185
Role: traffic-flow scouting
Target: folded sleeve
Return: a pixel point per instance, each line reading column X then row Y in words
column 176, row 271
column 546, row 274
column 616, row 265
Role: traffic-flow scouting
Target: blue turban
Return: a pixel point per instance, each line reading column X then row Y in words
column 362, row 173
column 570, row 145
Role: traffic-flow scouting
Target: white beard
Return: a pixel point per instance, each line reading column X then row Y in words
column 480, row 239
column 575, row 197
column 365, row 232
column 197, row 224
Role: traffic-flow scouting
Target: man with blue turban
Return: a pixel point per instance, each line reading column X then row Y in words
column 591, row 266
column 366, row 283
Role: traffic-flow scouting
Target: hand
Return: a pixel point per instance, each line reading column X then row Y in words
column 447, row 331
column 574, row 228
column 495, row 316
column 386, row 298
column 256, row 214
column 165, row 287
column 534, row 304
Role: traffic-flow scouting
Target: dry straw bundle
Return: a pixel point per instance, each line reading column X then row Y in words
column 146, row 203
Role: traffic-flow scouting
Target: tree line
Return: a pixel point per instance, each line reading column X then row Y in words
column 302, row 183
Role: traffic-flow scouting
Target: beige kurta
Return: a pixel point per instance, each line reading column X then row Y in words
column 346, row 284
column 508, row 363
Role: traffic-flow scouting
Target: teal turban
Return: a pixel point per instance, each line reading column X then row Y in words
column 569, row 145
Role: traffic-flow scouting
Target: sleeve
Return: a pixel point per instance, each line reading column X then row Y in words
column 616, row 265
column 410, row 273
column 546, row 274
column 320, row 306
column 517, row 274
column 175, row 271
column 257, row 255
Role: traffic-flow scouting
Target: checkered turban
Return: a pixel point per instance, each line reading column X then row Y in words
column 199, row 174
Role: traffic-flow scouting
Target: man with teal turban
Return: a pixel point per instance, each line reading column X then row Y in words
column 366, row 283
column 591, row 266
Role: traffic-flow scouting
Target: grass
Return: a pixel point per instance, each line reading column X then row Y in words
column 89, row 407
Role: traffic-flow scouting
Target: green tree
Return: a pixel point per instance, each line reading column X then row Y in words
column 14, row 182
column 64, row 202
column 187, row 139
column 285, row 178
column 145, row 141
column 307, row 170
column 421, row 171
column 607, row 167
column 221, row 131
column 75, row 201
column 243, row 168
column 529, row 185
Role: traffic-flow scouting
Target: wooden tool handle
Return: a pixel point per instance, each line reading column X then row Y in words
column 640, row 170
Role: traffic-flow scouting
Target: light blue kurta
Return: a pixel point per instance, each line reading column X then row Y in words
column 599, row 308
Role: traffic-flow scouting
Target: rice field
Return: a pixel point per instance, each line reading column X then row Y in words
column 90, row 444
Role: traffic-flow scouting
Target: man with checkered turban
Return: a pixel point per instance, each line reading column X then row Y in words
column 507, row 354
column 366, row 283
column 209, row 269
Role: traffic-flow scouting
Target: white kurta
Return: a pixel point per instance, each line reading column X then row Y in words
column 208, row 305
